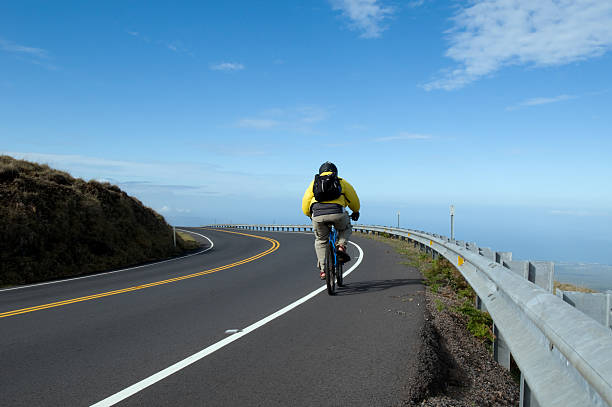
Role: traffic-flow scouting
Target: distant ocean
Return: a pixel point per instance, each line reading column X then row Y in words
column 595, row 276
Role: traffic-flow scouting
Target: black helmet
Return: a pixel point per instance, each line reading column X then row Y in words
column 328, row 167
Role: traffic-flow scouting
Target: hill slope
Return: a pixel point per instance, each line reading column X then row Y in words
column 53, row 225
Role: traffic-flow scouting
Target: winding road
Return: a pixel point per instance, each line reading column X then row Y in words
column 244, row 322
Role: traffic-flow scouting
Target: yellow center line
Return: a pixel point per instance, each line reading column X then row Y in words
column 273, row 248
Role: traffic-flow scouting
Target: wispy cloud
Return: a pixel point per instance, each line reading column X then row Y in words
column 139, row 35
column 403, row 136
column 175, row 46
column 490, row 34
column 227, row 66
column 366, row 16
column 541, row 101
column 90, row 164
column 10, row 46
column 416, row 3
column 258, row 123
column 37, row 56
column 298, row 118
column 168, row 209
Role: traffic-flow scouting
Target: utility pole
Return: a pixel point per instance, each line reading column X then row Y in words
column 452, row 214
column 398, row 216
column 174, row 232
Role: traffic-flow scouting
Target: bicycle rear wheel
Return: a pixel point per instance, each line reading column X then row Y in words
column 339, row 268
column 330, row 279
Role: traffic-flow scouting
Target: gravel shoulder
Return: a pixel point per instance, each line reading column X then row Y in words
column 462, row 371
column 454, row 367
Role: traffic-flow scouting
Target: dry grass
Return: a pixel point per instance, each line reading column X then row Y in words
column 54, row 226
column 190, row 242
column 572, row 287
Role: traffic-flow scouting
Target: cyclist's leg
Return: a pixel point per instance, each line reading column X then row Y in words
column 343, row 226
column 321, row 232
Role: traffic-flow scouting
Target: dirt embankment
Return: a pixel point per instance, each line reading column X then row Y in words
column 54, row 226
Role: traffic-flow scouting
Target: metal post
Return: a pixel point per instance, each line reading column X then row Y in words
column 398, row 214
column 452, row 214
column 174, row 232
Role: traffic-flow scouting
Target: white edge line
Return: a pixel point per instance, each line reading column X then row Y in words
column 21, row 287
column 143, row 384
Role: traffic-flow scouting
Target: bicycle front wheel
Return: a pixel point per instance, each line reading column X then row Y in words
column 330, row 279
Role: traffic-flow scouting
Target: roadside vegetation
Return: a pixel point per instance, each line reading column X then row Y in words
column 451, row 291
column 572, row 287
column 455, row 365
column 444, row 280
column 56, row 226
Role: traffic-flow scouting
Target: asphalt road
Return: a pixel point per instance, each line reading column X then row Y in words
column 84, row 341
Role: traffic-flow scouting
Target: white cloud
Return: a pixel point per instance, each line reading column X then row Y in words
column 416, row 3
column 311, row 114
column 404, row 136
column 178, row 47
column 36, row 56
column 541, row 101
column 227, row 66
column 258, row 123
column 366, row 16
column 491, row 34
column 168, row 209
column 10, row 46
column 298, row 118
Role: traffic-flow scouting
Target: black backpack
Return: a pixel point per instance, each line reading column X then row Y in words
column 326, row 187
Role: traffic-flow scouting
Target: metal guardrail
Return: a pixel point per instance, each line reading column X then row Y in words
column 565, row 357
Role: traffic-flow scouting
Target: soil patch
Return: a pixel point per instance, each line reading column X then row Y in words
column 454, row 367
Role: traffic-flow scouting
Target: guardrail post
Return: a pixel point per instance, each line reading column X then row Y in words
column 519, row 267
column 501, row 352
column 527, row 399
column 609, row 308
column 479, row 304
column 500, row 257
column 595, row 305
column 542, row 273
column 488, row 253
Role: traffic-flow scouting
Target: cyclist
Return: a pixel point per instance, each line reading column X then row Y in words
column 333, row 194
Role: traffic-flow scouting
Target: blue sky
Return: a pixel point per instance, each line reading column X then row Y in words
column 223, row 111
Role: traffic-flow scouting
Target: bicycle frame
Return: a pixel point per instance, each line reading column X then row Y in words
column 333, row 268
column 333, row 237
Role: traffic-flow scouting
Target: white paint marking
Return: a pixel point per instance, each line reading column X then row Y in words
column 21, row 287
column 143, row 384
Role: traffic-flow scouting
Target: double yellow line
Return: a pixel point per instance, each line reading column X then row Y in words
column 273, row 248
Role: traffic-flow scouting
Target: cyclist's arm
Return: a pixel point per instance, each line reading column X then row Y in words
column 351, row 196
column 307, row 199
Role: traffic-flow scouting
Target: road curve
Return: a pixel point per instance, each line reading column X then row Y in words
column 356, row 348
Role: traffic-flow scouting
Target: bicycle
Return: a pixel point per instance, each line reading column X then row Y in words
column 333, row 267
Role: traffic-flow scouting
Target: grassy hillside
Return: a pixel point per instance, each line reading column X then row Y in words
column 53, row 225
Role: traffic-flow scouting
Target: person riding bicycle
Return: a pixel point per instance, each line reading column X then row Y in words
column 324, row 202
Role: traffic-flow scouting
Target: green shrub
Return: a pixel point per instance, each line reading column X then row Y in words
column 479, row 322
